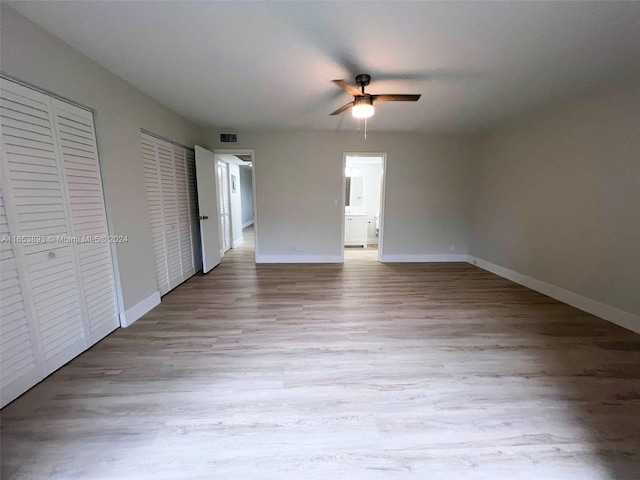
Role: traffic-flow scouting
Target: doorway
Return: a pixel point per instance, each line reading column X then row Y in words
column 236, row 192
column 363, row 202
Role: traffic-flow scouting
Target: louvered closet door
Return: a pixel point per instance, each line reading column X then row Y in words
column 154, row 202
column 184, row 225
column 34, row 188
column 170, row 213
column 20, row 358
column 57, row 291
column 172, row 201
column 79, row 154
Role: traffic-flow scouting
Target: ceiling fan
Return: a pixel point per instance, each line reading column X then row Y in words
column 362, row 104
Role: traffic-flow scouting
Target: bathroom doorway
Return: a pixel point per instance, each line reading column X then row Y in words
column 363, row 202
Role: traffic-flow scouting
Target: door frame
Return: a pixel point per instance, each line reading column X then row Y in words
column 223, row 172
column 252, row 152
column 383, row 187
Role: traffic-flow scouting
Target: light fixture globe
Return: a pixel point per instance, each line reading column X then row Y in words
column 363, row 107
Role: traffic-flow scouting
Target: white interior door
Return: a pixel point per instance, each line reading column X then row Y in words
column 208, row 208
column 225, row 206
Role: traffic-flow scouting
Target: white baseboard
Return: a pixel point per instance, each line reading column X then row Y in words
column 236, row 243
column 599, row 309
column 245, row 225
column 298, row 259
column 139, row 309
column 422, row 258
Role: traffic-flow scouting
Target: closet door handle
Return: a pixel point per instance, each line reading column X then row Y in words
column 203, row 217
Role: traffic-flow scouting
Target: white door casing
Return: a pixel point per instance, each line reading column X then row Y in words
column 224, row 206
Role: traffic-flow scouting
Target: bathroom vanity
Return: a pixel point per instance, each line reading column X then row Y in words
column 355, row 229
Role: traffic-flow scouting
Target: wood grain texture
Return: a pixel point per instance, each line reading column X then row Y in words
column 354, row 371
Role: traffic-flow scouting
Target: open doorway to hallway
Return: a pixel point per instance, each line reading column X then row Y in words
column 236, row 206
column 363, row 198
column 248, row 214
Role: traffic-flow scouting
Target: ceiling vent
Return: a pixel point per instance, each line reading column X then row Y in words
column 228, row 138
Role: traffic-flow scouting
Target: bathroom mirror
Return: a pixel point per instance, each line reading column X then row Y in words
column 353, row 192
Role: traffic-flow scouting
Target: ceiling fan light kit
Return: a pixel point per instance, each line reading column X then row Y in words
column 363, row 107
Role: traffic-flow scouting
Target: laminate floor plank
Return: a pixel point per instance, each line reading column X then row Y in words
column 354, row 371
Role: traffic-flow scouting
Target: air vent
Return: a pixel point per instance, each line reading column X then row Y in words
column 228, row 138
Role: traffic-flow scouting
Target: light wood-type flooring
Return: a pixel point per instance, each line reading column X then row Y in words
column 354, row 371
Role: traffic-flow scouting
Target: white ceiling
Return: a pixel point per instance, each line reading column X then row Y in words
column 268, row 65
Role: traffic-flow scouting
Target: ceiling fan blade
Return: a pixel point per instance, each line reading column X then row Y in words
column 350, row 89
column 343, row 108
column 395, row 98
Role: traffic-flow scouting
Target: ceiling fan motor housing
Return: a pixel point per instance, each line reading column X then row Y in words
column 363, row 80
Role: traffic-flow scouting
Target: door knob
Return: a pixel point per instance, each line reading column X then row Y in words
column 203, row 217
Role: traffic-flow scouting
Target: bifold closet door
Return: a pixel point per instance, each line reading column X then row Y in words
column 37, row 208
column 52, row 195
column 154, row 203
column 184, row 213
column 79, row 155
column 170, row 213
column 170, row 178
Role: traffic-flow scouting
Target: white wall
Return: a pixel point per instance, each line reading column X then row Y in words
column 33, row 55
column 298, row 187
column 557, row 199
column 246, row 191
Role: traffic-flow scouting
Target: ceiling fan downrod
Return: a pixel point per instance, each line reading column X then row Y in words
column 362, row 81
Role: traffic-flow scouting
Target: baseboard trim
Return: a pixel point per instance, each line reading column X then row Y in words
column 298, row 259
column 238, row 242
column 422, row 258
column 139, row 309
column 599, row 309
column 245, row 225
